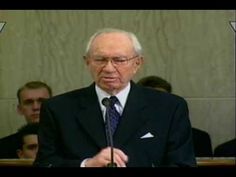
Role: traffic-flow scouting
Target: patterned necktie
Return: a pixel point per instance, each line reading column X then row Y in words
column 114, row 115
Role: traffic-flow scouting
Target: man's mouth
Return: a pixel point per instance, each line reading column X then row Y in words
column 35, row 115
column 109, row 79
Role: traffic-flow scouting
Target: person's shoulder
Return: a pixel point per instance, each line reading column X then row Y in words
column 200, row 132
column 11, row 137
column 227, row 149
column 159, row 96
column 230, row 143
column 8, row 146
column 157, row 93
column 200, row 135
column 70, row 95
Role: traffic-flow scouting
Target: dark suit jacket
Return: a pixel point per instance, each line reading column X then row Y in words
column 72, row 129
column 227, row 149
column 8, row 147
column 202, row 143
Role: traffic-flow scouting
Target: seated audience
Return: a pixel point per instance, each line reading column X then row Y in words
column 201, row 139
column 28, row 141
column 202, row 143
column 30, row 97
column 227, row 149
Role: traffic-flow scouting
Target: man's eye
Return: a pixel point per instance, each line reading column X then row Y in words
column 119, row 60
column 40, row 100
column 28, row 102
column 32, row 146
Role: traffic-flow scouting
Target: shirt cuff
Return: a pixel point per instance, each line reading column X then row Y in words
column 83, row 163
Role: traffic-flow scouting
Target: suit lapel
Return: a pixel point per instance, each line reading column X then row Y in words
column 132, row 117
column 89, row 116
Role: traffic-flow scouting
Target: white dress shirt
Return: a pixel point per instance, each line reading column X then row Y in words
column 121, row 96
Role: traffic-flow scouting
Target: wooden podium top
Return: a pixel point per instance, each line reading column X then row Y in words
column 16, row 162
column 201, row 162
column 216, row 161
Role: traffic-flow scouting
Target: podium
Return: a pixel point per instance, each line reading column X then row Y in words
column 201, row 162
column 216, row 161
column 16, row 162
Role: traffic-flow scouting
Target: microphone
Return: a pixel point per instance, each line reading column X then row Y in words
column 107, row 103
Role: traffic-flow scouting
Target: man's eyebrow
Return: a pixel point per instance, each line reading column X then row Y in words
column 32, row 145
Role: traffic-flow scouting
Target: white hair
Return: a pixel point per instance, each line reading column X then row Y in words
column 136, row 44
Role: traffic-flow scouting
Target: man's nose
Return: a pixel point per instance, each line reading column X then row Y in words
column 109, row 65
column 36, row 105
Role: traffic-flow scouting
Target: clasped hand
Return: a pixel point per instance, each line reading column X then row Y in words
column 104, row 157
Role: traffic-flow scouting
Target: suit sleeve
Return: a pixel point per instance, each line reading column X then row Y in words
column 180, row 151
column 50, row 154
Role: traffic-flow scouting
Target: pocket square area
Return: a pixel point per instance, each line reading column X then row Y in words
column 148, row 135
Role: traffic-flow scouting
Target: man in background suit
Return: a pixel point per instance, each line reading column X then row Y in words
column 30, row 97
column 28, row 141
column 154, row 128
column 226, row 149
column 201, row 139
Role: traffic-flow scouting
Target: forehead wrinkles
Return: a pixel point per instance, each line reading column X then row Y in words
column 112, row 42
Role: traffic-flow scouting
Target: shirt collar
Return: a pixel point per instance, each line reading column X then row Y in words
column 122, row 95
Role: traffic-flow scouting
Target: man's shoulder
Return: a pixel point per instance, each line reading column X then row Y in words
column 158, row 95
column 70, row 97
column 228, row 144
column 71, row 94
column 227, row 149
column 199, row 132
column 8, row 146
column 11, row 137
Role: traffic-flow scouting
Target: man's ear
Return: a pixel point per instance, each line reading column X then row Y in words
column 139, row 61
column 20, row 153
column 137, row 64
column 19, row 109
column 86, row 60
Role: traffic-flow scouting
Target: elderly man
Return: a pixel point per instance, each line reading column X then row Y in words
column 146, row 127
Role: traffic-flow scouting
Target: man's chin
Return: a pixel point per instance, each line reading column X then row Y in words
column 111, row 89
column 34, row 119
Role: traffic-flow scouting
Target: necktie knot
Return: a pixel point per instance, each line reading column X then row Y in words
column 114, row 100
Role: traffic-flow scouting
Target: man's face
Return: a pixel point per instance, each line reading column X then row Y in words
column 30, row 147
column 110, row 76
column 30, row 103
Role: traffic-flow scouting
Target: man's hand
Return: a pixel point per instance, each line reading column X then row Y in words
column 104, row 157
